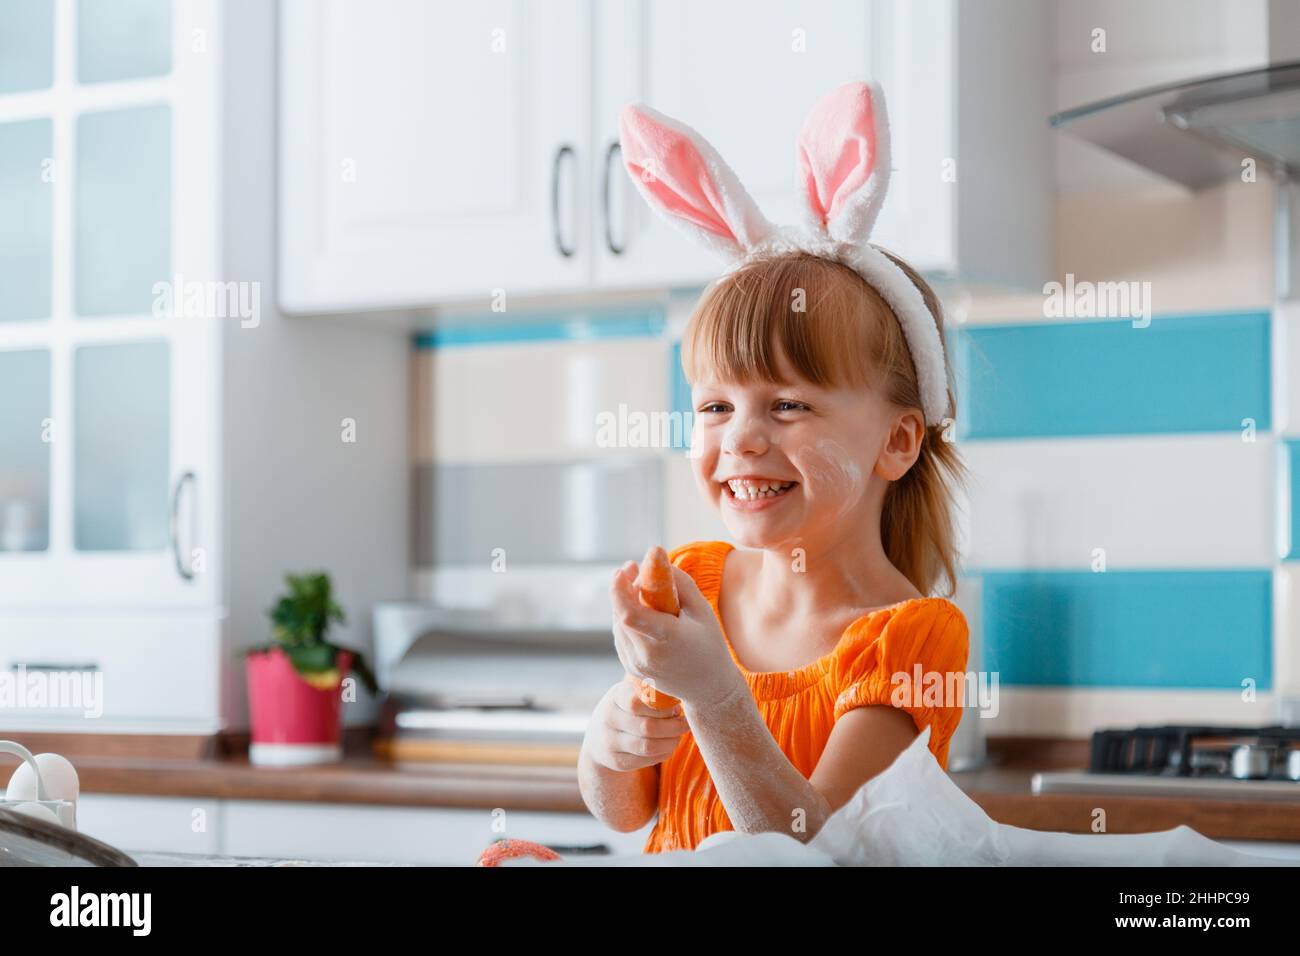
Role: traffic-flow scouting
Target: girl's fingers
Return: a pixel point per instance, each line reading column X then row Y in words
column 660, row 727
column 632, row 656
column 643, row 746
column 626, row 573
column 626, row 604
column 620, row 581
column 631, row 614
column 634, row 617
column 626, row 656
column 688, row 592
column 630, row 701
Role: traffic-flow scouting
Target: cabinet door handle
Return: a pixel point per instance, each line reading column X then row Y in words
column 615, row 248
column 582, row 849
column 560, row 154
column 174, row 527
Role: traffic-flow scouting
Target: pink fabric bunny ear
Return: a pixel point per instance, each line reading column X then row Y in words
column 842, row 162
column 684, row 179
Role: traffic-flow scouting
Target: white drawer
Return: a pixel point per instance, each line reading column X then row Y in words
column 153, row 673
column 320, row 831
column 153, row 824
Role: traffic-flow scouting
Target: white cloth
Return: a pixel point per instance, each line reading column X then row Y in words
column 913, row 814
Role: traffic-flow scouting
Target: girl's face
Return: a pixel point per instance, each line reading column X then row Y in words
column 798, row 464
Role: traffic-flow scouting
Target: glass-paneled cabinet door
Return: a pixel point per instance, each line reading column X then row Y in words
column 109, row 347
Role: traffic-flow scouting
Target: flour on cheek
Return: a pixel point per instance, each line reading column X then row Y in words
column 830, row 474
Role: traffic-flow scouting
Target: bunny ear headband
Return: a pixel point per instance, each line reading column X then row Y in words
column 842, row 162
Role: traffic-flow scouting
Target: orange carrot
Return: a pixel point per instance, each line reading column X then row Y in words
column 655, row 579
column 655, row 582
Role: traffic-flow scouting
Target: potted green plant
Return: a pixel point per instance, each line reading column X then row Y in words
column 295, row 682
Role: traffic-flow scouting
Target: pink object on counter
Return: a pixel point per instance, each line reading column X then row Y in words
column 292, row 721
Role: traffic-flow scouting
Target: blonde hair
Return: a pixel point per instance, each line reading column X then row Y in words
column 845, row 336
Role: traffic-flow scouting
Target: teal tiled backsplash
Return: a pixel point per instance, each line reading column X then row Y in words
column 1129, row 628
column 570, row 326
column 1195, row 373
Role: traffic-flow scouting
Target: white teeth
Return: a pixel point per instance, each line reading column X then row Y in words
column 750, row 490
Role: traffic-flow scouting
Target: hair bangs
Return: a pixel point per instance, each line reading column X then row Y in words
column 826, row 320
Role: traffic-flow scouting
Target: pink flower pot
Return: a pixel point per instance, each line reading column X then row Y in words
column 293, row 723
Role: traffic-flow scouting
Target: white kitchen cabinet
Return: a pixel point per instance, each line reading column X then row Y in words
column 378, row 210
column 110, row 445
column 137, row 823
column 327, row 831
column 358, row 833
column 322, row 831
column 163, row 431
column 431, row 150
column 108, row 473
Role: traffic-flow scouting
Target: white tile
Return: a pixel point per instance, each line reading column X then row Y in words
column 1189, row 501
column 1286, row 632
column 1286, row 368
column 1078, row 711
column 536, row 401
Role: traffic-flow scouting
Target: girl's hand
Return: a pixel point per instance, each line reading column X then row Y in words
column 626, row 734
column 684, row 655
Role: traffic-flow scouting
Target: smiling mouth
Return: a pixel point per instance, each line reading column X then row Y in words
column 756, row 490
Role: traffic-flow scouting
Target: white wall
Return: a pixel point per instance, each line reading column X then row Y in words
column 1148, row 43
column 1204, row 251
column 1116, row 221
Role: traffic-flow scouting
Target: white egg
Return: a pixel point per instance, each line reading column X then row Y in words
column 22, row 785
column 36, row 811
column 61, row 780
column 58, row 774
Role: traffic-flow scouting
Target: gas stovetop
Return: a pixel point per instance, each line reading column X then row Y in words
column 1229, row 763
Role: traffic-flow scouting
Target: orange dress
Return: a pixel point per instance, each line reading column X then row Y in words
column 800, row 706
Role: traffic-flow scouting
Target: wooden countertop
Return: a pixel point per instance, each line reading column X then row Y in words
column 222, row 771
column 358, row 778
column 1004, row 794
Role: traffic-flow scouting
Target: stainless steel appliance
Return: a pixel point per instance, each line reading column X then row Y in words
column 1199, row 132
column 1254, row 763
column 464, row 685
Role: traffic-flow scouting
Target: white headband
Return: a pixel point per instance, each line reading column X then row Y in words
column 842, row 166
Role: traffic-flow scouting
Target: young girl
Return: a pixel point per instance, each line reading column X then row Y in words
column 820, row 387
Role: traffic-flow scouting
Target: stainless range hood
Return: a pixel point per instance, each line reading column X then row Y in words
column 1254, row 114
column 1199, row 133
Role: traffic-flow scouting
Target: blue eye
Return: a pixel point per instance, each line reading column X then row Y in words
column 796, row 405
column 712, row 405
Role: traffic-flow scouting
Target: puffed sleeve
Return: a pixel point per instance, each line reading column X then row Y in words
column 912, row 657
column 702, row 560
